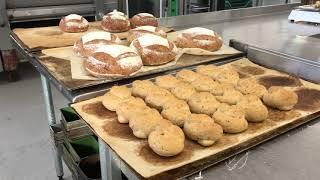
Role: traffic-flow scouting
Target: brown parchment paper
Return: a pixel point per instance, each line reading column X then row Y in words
column 137, row 155
column 78, row 71
column 51, row 37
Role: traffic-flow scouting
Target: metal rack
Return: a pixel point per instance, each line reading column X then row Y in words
column 111, row 165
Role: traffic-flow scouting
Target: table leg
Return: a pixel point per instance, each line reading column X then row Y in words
column 109, row 163
column 52, row 120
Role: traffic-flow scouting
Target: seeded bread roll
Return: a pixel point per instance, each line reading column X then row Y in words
column 280, row 98
column 73, row 23
column 92, row 41
column 142, row 30
column 115, row 22
column 142, row 88
column 115, row 96
column 203, row 103
column 154, row 50
column 204, row 84
column 209, row 70
column 203, row 129
column 255, row 110
column 167, row 141
column 227, row 75
column 231, row 118
column 183, row 90
column 176, row 113
column 144, row 122
column 143, row 19
column 231, row 97
column 187, row 75
column 220, row 88
column 250, row 86
column 167, row 81
column 198, row 37
column 157, row 99
column 128, row 108
column 113, row 61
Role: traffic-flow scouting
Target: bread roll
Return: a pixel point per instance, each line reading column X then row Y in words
column 183, row 90
column 167, row 141
column 115, row 22
column 128, row 108
column 91, row 41
column 250, row 86
column 177, row 114
column 143, row 19
column 142, row 30
column 187, row 75
column 280, row 98
column 204, row 84
column 231, row 97
column 198, row 37
column 113, row 61
column 255, row 110
column 144, row 122
column 115, row 96
column 203, row 129
column 203, row 103
column 167, row 81
column 73, row 23
column 142, row 88
column 231, row 118
column 227, row 75
column 154, row 50
column 157, row 99
column 209, row 70
column 220, row 88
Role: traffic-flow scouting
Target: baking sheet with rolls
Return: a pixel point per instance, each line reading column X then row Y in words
column 51, row 37
column 137, row 154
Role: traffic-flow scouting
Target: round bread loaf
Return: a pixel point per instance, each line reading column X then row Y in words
column 199, row 37
column 255, row 110
column 91, row 41
column 167, row 81
column 250, row 86
column 203, row 129
column 167, row 141
column 115, row 22
column 280, row 98
column 187, row 75
column 142, row 30
column 113, row 61
column 231, row 118
column 73, row 23
column 154, row 50
column 203, row 103
column 143, row 19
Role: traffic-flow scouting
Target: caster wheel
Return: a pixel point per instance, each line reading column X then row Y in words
column 60, row 177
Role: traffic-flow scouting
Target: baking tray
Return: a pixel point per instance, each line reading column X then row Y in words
column 146, row 163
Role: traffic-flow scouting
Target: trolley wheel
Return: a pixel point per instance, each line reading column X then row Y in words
column 60, row 177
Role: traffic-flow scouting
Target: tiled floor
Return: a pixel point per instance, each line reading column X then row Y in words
column 25, row 149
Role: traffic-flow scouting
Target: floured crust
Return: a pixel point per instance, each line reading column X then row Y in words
column 143, row 19
column 154, row 53
column 199, row 38
column 86, row 49
column 112, row 61
column 203, row 129
column 115, row 22
column 73, row 24
column 140, row 31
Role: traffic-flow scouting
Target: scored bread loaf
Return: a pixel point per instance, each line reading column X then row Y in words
column 143, row 19
column 154, row 50
column 142, row 30
column 91, row 41
column 199, row 37
column 73, row 23
column 113, row 61
column 115, row 22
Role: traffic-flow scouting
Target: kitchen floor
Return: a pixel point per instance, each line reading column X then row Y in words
column 25, row 148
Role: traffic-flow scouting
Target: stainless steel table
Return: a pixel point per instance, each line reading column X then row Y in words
column 266, row 27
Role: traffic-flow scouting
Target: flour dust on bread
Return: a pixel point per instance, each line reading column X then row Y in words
column 142, row 30
column 154, row 50
column 143, row 19
column 199, row 37
column 115, row 22
column 73, row 23
column 91, row 41
column 113, row 61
